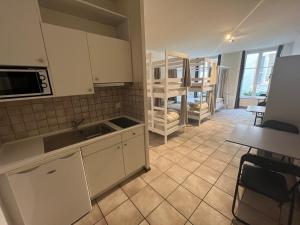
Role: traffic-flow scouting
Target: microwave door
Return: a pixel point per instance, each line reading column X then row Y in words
column 19, row 83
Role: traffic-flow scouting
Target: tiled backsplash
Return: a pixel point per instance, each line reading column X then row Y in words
column 21, row 119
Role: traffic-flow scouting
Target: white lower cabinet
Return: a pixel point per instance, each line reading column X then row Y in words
column 104, row 168
column 53, row 193
column 134, row 154
column 110, row 160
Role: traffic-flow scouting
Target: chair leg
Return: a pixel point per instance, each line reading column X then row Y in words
column 249, row 150
column 233, row 205
column 255, row 119
column 291, row 209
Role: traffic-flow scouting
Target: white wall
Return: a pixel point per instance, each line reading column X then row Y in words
column 233, row 61
column 296, row 47
column 283, row 100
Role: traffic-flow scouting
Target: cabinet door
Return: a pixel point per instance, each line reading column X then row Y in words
column 103, row 169
column 21, row 40
column 134, row 154
column 54, row 193
column 68, row 60
column 110, row 59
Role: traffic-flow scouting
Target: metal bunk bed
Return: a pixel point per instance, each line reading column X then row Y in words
column 163, row 85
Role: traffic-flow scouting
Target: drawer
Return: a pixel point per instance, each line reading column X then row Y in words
column 132, row 133
column 100, row 145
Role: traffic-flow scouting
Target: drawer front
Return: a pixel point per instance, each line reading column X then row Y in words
column 100, row 145
column 132, row 133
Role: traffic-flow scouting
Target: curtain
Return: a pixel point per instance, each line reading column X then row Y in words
column 219, row 60
column 238, row 92
column 186, row 82
column 157, row 73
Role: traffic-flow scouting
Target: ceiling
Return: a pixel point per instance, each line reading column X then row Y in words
column 198, row 27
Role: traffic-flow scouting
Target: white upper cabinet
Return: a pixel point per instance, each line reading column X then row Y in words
column 21, row 40
column 110, row 59
column 69, row 62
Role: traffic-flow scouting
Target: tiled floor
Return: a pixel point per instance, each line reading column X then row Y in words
column 191, row 181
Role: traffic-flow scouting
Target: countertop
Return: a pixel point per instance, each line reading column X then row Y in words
column 30, row 151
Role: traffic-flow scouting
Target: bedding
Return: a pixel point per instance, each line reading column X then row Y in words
column 172, row 115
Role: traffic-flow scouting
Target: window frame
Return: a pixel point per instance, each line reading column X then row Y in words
column 257, row 69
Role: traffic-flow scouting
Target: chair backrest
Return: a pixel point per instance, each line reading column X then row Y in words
column 282, row 126
column 262, row 103
column 270, row 164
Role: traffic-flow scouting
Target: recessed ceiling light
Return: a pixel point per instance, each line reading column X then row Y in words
column 228, row 37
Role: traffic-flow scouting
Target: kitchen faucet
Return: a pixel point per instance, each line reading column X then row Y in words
column 76, row 123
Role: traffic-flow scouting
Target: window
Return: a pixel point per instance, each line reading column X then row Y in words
column 257, row 73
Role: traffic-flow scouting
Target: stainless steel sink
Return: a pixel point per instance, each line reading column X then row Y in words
column 61, row 140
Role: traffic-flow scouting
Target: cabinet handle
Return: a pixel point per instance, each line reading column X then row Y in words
column 133, row 133
column 68, row 156
column 89, row 90
column 96, row 78
column 29, row 170
column 125, row 144
column 118, row 147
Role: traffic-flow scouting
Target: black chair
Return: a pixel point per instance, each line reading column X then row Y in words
column 265, row 176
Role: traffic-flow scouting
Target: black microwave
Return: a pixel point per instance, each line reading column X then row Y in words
column 24, row 82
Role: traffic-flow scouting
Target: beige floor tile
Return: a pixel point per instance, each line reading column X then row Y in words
column 240, row 153
column 206, row 215
column 144, row 222
column 133, row 186
column 197, row 139
column 153, row 155
column 101, row 222
column 188, row 223
column 161, row 149
column 111, row 201
column 205, row 149
column 231, row 171
column 183, row 149
column 252, row 216
column 222, row 156
column 235, row 162
column 266, row 205
column 162, row 163
column 125, row 214
column 197, row 156
column 172, row 144
column 197, row 186
column 163, row 185
column 165, row 214
column 189, row 164
column 220, row 200
column 146, row 200
column 151, row 174
column 226, row 184
column 92, row 217
column 177, row 173
column 212, row 143
column 215, row 164
column 191, row 144
column 229, row 148
column 173, row 156
column 207, row 174
column 184, row 201
column 180, row 139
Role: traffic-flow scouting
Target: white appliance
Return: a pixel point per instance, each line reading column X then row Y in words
column 54, row 193
column 24, row 82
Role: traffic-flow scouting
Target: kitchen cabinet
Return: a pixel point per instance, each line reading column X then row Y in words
column 21, row 40
column 53, row 193
column 103, row 168
column 69, row 62
column 134, row 154
column 110, row 59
